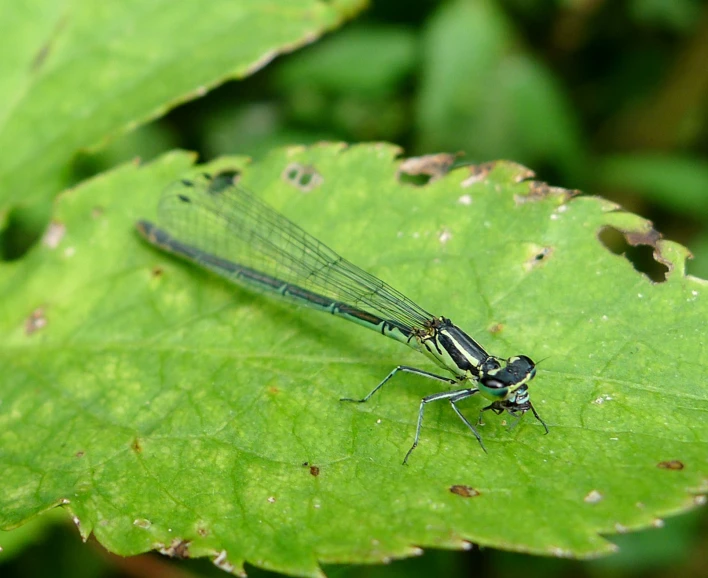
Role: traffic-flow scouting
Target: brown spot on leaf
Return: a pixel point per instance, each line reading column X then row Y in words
column 157, row 271
column 35, row 321
column 478, row 173
column 648, row 237
column 425, row 169
column 178, row 548
column 464, row 491
column 80, row 454
column 314, row 471
column 496, row 328
column 670, row 465
column 136, row 446
column 538, row 191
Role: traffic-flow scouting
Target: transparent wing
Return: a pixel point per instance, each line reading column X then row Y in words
column 217, row 217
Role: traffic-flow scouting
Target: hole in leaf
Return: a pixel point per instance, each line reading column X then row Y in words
column 304, row 177
column 538, row 256
column 222, row 181
column 419, row 180
column 637, row 248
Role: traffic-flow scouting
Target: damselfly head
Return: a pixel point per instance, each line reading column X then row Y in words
column 503, row 380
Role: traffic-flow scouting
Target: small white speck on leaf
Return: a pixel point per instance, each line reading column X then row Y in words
column 53, row 235
column 593, row 497
column 445, row 236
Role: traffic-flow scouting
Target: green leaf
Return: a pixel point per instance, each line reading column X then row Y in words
column 74, row 75
column 367, row 61
column 165, row 408
column 483, row 94
column 679, row 183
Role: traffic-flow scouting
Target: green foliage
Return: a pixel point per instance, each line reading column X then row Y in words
column 74, row 78
column 164, row 408
column 478, row 83
column 677, row 183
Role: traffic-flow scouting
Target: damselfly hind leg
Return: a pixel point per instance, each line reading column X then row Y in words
column 405, row 369
column 453, row 397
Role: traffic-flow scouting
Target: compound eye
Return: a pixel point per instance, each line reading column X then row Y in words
column 496, row 387
column 521, row 367
column 494, row 384
column 491, row 364
column 522, row 363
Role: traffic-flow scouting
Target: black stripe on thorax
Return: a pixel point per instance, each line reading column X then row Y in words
column 455, row 341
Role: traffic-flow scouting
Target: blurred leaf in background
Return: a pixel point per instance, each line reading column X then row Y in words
column 483, row 93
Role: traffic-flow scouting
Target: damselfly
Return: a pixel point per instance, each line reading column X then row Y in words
column 215, row 224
